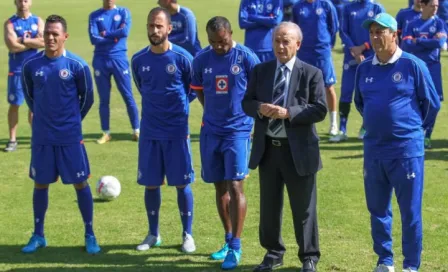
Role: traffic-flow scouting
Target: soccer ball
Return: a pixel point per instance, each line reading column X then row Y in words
column 108, row 188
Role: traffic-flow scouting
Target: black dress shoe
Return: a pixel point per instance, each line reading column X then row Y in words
column 269, row 264
column 309, row 266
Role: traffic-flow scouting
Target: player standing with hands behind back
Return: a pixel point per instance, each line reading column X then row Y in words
column 59, row 91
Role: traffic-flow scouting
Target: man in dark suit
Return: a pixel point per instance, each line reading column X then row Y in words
column 286, row 97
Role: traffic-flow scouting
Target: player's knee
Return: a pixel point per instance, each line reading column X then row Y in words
column 14, row 108
column 152, row 187
column 221, row 187
column 41, row 186
column 80, row 186
column 235, row 187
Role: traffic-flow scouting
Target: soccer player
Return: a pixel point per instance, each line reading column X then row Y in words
column 357, row 48
column 287, row 9
column 424, row 37
column 108, row 30
column 220, row 76
column 404, row 16
column 319, row 22
column 162, row 74
column 185, row 29
column 23, row 36
column 259, row 18
column 59, row 91
column 395, row 95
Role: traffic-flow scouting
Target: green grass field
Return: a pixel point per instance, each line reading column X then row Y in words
column 121, row 224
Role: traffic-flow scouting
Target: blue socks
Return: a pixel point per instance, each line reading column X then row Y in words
column 153, row 200
column 85, row 204
column 235, row 243
column 40, row 205
column 228, row 237
column 343, row 124
column 185, row 203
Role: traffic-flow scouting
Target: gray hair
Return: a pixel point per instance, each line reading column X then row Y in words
column 292, row 26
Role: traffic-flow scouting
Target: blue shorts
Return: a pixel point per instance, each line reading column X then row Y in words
column 15, row 89
column 160, row 158
column 324, row 64
column 222, row 159
column 348, row 80
column 70, row 162
column 265, row 56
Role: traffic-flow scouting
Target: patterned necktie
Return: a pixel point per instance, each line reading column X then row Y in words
column 275, row 125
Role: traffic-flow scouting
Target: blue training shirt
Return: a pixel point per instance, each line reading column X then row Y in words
column 224, row 79
column 429, row 35
column 185, row 30
column 22, row 26
column 163, row 81
column 116, row 23
column 59, row 92
column 404, row 16
column 351, row 32
column 396, row 100
column 259, row 18
column 319, row 23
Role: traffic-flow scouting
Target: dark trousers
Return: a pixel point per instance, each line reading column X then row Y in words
column 277, row 170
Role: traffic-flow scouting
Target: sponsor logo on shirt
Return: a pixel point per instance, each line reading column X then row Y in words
column 222, row 84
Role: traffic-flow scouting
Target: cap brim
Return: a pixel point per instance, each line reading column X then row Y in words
column 366, row 24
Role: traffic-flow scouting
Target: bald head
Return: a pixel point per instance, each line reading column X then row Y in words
column 286, row 40
column 289, row 27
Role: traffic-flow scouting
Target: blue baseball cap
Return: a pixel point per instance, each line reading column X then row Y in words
column 383, row 19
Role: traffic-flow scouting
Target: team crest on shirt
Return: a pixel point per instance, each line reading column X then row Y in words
column 171, row 68
column 222, row 84
column 397, row 77
column 64, row 73
column 235, row 69
column 370, row 13
column 319, row 11
column 34, row 27
column 432, row 29
column 117, row 17
column 97, row 73
column 11, row 97
column 269, row 7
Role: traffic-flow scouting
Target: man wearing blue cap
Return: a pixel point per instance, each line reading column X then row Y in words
column 396, row 96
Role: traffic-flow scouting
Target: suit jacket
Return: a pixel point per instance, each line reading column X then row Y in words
column 306, row 104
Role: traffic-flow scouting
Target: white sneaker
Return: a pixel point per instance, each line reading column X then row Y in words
column 149, row 242
column 340, row 137
column 409, row 270
column 333, row 130
column 188, row 245
column 384, row 268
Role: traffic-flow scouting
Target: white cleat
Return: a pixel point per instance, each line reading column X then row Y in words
column 188, row 245
column 333, row 130
column 384, row 268
column 340, row 137
column 149, row 242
